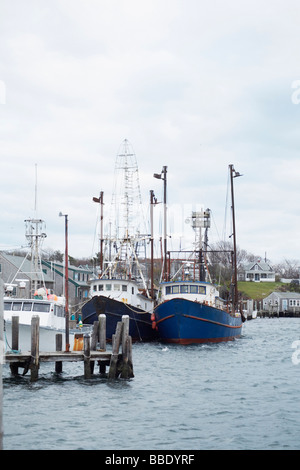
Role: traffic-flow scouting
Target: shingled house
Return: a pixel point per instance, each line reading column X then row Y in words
column 282, row 302
column 78, row 280
column 257, row 271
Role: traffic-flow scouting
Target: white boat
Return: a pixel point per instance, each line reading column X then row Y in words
column 51, row 311
column 36, row 300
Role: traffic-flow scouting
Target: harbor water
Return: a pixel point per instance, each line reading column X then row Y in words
column 238, row 395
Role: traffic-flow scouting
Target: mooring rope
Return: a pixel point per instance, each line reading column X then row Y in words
column 8, row 347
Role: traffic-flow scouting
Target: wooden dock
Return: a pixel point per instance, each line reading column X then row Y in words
column 93, row 351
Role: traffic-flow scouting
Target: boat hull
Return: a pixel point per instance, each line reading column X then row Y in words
column 47, row 337
column 140, row 324
column 185, row 322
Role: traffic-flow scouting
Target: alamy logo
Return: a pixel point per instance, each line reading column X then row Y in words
column 296, row 93
column 2, row 92
column 296, row 354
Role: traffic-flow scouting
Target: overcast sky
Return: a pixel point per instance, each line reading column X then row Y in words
column 194, row 85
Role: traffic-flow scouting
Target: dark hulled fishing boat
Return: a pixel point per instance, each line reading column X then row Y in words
column 115, row 298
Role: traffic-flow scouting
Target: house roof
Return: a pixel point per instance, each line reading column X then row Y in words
column 23, row 265
column 58, row 268
column 285, row 295
column 261, row 266
column 59, row 265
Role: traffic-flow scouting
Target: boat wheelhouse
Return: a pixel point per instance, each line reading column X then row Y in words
column 123, row 290
column 51, row 312
column 195, row 291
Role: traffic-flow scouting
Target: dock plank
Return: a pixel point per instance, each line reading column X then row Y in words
column 54, row 356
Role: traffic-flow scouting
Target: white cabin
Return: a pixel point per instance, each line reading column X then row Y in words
column 123, row 290
column 195, row 291
column 51, row 312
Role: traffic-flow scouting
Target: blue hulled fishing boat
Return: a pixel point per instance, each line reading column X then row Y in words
column 190, row 309
column 192, row 312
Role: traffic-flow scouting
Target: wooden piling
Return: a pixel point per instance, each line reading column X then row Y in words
column 87, row 356
column 116, row 341
column 127, row 369
column 125, row 332
column 121, row 366
column 35, row 346
column 102, row 332
column 102, row 340
column 14, row 342
column 94, row 342
column 58, row 347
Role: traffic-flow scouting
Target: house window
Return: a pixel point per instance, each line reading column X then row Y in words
column 124, row 288
column 184, row 289
column 175, row 290
column 194, row 289
column 168, row 290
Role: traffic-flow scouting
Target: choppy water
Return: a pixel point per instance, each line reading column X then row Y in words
column 238, row 395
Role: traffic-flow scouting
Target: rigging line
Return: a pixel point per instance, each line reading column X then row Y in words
column 215, row 225
column 226, row 208
column 95, row 232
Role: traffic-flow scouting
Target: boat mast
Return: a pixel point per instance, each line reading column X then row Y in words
column 163, row 176
column 234, row 174
column 99, row 200
column 35, row 236
column 153, row 202
column 200, row 220
column 126, row 218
